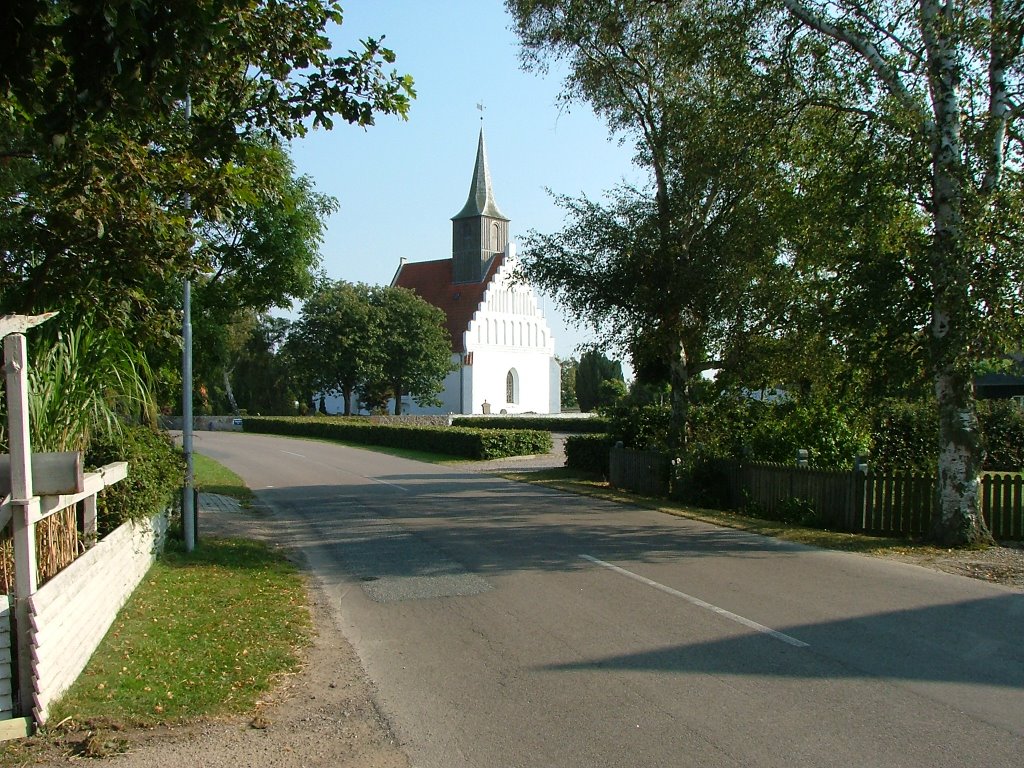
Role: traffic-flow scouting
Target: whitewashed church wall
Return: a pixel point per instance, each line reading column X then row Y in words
column 555, row 393
column 490, row 374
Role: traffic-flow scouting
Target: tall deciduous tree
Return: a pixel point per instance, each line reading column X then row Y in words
column 264, row 253
column 947, row 74
column 264, row 381
column 99, row 158
column 332, row 345
column 413, row 349
column 684, row 266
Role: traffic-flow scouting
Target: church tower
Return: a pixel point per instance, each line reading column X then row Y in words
column 479, row 230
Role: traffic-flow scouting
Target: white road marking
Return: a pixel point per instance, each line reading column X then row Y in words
column 700, row 603
column 385, row 482
column 294, row 454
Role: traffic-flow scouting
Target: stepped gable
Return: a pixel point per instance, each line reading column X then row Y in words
column 433, row 281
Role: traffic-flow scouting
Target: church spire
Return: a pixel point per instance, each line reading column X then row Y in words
column 481, row 196
column 479, row 230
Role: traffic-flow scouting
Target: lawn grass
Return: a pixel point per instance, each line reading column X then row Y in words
column 213, row 477
column 571, row 481
column 205, row 634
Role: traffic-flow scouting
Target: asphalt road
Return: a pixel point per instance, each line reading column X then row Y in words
column 509, row 625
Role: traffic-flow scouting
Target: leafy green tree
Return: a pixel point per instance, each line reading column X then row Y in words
column 593, row 371
column 99, row 158
column 265, row 253
column 683, row 267
column 260, row 66
column 333, row 344
column 412, row 349
column 264, row 382
column 850, row 327
column 942, row 75
column 265, row 249
column 568, row 370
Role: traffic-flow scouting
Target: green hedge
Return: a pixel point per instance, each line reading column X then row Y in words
column 1002, row 429
column 906, row 436
column 156, row 472
column 588, row 453
column 453, row 441
column 573, row 424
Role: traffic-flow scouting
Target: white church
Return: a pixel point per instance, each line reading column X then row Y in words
column 502, row 349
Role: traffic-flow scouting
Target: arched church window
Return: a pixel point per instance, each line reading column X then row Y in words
column 512, row 387
column 495, row 237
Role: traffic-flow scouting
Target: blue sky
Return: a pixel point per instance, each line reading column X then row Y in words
column 400, row 182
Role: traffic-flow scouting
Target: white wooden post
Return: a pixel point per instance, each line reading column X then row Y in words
column 25, row 506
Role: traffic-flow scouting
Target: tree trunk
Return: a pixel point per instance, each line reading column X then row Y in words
column 679, row 379
column 346, row 392
column 398, row 398
column 230, row 392
column 957, row 520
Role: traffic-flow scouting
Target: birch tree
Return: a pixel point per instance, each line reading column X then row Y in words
column 680, row 263
column 950, row 74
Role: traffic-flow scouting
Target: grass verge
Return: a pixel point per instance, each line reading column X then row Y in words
column 205, row 634
column 214, row 477
column 571, row 481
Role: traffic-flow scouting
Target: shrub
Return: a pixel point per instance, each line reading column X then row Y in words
column 453, row 441
column 155, row 475
column 639, row 426
column 576, row 426
column 734, row 426
column 588, row 453
column 1002, row 430
column 905, row 436
column 703, row 482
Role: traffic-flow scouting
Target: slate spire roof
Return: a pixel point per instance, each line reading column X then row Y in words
column 481, row 196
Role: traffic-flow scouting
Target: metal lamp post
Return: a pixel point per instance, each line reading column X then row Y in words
column 188, row 498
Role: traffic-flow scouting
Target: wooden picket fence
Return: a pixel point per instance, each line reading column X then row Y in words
column 1002, row 505
column 643, row 472
column 870, row 502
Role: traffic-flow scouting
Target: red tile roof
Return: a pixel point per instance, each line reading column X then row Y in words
column 432, row 281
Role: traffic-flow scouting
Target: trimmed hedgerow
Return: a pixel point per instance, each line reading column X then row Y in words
column 588, row 453
column 572, row 425
column 452, row 441
column 156, row 471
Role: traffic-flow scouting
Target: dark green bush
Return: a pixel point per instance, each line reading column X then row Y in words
column 738, row 427
column 905, row 436
column 572, row 425
column 452, row 441
column 1002, row 430
column 156, row 472
column 703, row 482
column 639, row 426
column 588, row 453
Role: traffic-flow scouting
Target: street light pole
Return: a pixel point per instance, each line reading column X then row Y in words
column 188, row 498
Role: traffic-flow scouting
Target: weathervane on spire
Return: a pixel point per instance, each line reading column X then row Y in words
column 481, row 107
